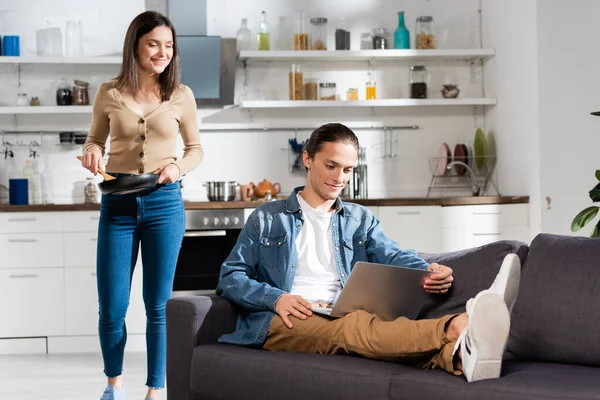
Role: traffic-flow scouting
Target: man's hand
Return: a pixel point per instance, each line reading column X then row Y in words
column 290, row 304
column 440, row 281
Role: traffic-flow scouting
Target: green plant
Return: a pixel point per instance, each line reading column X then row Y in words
column 588, row 214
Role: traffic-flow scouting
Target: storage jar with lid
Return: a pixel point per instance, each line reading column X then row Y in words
column 285, row 33
column 296, row 82
column 425, row 33
column 371, row 90
column 327, row 91
column 80, row 94
column 342, row 36
column 381, row 39
column 418, row 82
column 366, row 41
column 64, row 95
column 318, row 33
column 352, row 94
column 301, row 31
column 311, row 89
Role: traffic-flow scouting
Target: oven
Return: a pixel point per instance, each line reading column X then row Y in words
column 209, row 238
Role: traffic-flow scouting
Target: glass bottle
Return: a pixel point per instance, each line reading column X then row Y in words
column 425, row 33
column 342, row 36
column 242, row 36
column 285, row 33
column 318, row 34
column 418, row 82
column 73, row 39
column 264, row 42
column 296, row 83
column 301, row 30
column 91, row 191
column 47, row 184
column 64, row 95
column 401, row 34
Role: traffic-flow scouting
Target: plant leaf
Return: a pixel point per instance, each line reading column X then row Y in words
column 595, row 193
column 598, row 174
column 583, row 218
column 596, row 231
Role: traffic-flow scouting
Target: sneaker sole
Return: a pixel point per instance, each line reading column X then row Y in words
column 509, row 277
column 488, row 331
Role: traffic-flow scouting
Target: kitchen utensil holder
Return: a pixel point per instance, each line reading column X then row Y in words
column 450, row 180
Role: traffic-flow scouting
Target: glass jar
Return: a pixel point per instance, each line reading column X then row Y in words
column 91, row 191
column 285, row 33
column 342, row 36
column 301, row 30
column 80, row 94
column 366, row 41
column 296, row 80
column 371, row 87
column 318, row 33
column 425, row 33
column 381, row 39
column 418, row 82
column 22, row 99
column 64, row 95
column 352, row 94
column 327, row 91
column 311, row 89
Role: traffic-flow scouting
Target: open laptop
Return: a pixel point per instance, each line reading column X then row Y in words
column 387, row 291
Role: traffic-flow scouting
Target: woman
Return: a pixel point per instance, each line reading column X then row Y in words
column 143, row 109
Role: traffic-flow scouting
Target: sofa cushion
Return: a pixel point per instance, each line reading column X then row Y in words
column 520, row 380
column 557, row 314
column 474, row 270
column 223, row 371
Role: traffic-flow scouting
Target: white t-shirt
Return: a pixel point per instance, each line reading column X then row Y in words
column 316, row 278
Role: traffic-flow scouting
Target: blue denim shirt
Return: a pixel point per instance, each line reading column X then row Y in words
column 262, row 265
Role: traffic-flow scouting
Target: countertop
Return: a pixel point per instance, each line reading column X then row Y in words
column 203, row 205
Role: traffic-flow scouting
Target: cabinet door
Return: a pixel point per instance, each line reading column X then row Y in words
column 81, row 221
column 30, row 222
column 31, row 250
column 35, row 302
column 413, row 227
column 80, row 249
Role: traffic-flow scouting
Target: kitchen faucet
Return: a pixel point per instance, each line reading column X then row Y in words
column 474, row 186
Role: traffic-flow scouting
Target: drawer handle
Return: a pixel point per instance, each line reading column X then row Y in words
column 94, row 218
column 26, row 219
column 408, row 213
column 22, row 240
column 23, row 276
column 488, row 213
column 488, row 234
column 94, row 239
column 94, row 274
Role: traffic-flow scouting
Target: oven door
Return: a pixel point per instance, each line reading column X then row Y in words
column 200, row 258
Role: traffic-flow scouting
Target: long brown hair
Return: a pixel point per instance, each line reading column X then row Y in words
column 129, row 75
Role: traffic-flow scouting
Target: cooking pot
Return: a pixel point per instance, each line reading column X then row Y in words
column 221, row 190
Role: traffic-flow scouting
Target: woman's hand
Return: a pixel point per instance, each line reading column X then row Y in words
column 168, row 174
column 92, row 160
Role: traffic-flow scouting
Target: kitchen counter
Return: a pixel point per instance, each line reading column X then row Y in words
column 199, row 205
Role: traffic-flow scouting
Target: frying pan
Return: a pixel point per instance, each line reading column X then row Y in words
column 127, row 184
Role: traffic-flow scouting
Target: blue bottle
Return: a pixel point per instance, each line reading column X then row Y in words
column 401, row 34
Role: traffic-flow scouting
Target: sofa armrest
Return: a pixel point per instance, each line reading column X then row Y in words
column 191, row 321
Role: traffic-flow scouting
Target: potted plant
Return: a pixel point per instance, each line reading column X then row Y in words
column 588, row 214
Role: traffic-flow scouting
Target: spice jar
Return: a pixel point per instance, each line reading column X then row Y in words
column 22, row 99
column 371, row 87
column 64, row 95
column 318, row 33
column 327, row 91
column 366, row 41
column 381, row 38
column 301, row 30
column 425, row 33
column 352, row 94
column 418, row 82
column 311, row 89
column 80, row 93
column 295, row 79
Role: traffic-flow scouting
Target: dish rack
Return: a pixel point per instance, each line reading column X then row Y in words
column 451, row 180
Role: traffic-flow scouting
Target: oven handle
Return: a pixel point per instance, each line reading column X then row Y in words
column 204, row 233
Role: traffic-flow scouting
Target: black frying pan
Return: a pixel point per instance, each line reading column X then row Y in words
column 127, row 184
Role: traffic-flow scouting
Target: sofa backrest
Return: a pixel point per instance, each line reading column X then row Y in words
column 557, row 315
column 474, row 270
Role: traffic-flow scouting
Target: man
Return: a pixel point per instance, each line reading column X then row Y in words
column 298, row 253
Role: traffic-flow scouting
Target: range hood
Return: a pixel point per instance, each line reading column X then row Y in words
column 207, row 62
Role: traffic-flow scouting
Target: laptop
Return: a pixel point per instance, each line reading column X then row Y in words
column 388, row 291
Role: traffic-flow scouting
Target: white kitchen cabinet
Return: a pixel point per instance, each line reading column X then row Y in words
column 413, row 227
column 81, row 221
column 31, row 250
column 33, row 302
column 30, row 222
column 374, row 210
column 80, row 249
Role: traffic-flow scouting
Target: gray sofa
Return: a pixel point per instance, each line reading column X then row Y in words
column 553, row 350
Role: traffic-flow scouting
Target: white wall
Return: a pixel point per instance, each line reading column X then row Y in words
column 569, row 136
column 512, row 76
column 251, row 156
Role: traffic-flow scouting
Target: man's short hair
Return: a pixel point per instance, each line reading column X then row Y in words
column 329, row 133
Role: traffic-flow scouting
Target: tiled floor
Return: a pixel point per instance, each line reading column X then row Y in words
column 66, row 376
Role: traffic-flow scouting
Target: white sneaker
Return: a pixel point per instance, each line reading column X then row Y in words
column 506, row 284
column 483, row 343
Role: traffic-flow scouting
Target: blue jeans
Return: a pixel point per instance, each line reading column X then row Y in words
column 155, row 219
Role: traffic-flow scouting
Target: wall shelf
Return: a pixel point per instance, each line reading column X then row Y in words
column 367, row 103
column 367, row 55
column 60, row 60
column 30, row 110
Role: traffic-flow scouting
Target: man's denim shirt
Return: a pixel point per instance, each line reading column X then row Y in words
column 262, row 265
